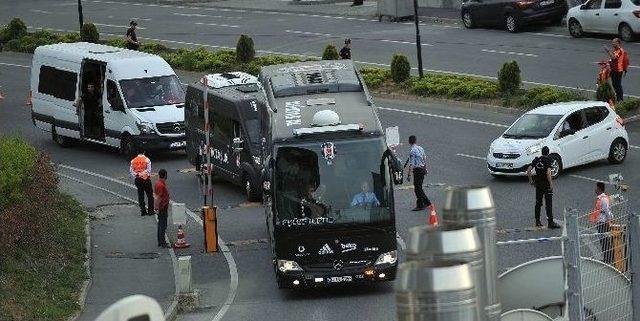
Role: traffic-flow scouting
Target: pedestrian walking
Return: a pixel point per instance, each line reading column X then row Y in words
column 619, row 60
column 140, row 170
column 418, row 167
column 162, row 206
column 602, row 218
column 345, row 52
column 543, row 181
column 132, row 38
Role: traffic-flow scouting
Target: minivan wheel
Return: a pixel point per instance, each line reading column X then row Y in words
column 626, row 33
column 128, row 147
column 61, row 140
column 556, row 166
column 511, row 22
column 467, row 20
column 575, row 28
column 618, row 151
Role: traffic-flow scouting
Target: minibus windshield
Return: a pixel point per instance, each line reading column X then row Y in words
column 152, row 91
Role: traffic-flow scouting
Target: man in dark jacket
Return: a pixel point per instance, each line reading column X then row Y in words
column 544, row 186
column 162, row 206
column 345, row 52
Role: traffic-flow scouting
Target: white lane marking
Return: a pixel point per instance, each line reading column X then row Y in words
column 403, row 245
column 510, row 53
column 115, row 26
column 198, row 15
column 555, row 35
column 405, row 42
column 172, row 253
column 472, row 156
column 318, row 57
column 233, row 270
column 217, row 25
column 40, row 11
column 466, row 120
column 310, row 33
column 634, row 146
column 587, row 178
column 13, row 65
column 141, row 19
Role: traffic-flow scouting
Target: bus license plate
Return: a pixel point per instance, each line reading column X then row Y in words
column 504, row 165
column 340, row 279
column 178, row 144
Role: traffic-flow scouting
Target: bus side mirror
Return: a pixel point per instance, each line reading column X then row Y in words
column 397, row 171
column 238, row 145
column 266, row 181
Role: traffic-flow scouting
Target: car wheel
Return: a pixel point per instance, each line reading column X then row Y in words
column 62, row 141
column 511, row 23
column 556, row 166
column 128, row 147
column 575, row 28
column 249, row 189
column 626, row 33
column 618, row 151
column 467, row 20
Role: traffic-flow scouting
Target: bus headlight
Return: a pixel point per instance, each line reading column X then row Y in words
column 288, row 266
column 387, row 258
column 146, row 128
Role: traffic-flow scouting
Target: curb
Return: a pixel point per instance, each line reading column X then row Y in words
column 87, row 263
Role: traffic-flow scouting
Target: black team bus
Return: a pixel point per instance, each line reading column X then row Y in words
column 328, row 177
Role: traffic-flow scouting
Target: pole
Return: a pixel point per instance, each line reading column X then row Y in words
column 418, row 44
column 80, row 18
column 205, row 92
column 634, row 238
column 573, row 266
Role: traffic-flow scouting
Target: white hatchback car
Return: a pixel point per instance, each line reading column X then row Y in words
column 575, row 132
column 621, row 17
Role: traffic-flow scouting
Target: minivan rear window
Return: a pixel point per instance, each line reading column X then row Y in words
column 57, row 83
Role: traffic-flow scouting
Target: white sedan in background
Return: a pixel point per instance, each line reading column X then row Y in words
column 621, row 17
column 576, row 133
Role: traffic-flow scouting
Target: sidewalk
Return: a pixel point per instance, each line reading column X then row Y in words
column 125, row 259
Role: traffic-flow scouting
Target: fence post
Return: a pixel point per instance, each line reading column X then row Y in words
column 573, row 266
column 634, row 239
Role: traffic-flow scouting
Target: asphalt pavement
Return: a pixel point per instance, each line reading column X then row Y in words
column 238, row 284
column 545, row 55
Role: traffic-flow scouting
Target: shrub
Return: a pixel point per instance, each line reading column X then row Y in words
column 374, row 77
column 16, row 29
column 152, row 48
column 605, row 92
column 330, row 52
column 89, row 33
column 509, row 77
column 16, row 160
column 628, row 106
column 244, row 49
column 454, row 87
column 539, row 96
column 116, row 42
column 400, row 68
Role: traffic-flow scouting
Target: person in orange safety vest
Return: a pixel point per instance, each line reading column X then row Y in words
column 604, row 79
column 602, row 218
column 619, row 65
column 140, row 170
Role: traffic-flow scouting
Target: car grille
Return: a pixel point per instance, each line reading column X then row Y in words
column 323, row 267
column 506, row 155
column 171, row 128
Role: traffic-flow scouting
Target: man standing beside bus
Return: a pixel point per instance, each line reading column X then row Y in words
column 140, row 170
column 418, row 166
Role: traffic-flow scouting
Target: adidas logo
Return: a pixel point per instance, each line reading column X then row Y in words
column 325, row 250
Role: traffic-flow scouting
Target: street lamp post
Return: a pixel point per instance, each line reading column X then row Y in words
column 80, row 18
column 418, row 44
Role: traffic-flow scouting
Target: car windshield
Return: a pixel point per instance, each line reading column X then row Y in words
column 532, row 126
column 153, row 91
column 340, row 182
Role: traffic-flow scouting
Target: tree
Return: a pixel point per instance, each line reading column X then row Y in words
column 330, row 52
column 400, row 68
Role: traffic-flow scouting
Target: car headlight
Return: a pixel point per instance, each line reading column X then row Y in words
column 387, row 258
column 145, row 128
column 287, row 266
column 534, row 149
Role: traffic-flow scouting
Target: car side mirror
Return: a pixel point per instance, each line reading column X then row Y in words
column 567, row 132
column 397, row 171
column 266, row 181
column 238, row 145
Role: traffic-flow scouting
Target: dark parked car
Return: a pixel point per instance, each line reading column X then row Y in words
column 512, row 14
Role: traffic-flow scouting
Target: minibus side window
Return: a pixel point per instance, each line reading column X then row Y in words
column 58, row 83
column 113, row 96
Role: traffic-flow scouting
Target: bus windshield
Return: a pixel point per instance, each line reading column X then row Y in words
column 339, row 182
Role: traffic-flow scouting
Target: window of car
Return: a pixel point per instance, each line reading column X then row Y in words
column 612, row 4
column 573, row 123
column 636, row 2
column 595, row 115
column 594, row 4
column 58, row 83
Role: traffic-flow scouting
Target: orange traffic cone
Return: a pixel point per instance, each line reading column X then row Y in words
column 433, row 217
column 181, row 243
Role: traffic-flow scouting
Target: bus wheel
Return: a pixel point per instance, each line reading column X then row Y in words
column 61, row 140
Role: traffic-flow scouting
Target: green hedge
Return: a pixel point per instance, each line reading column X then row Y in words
column 374, row 77
column 454, row 87
column 16, row 160
column 31, row 41
column 628, row 106
column 539, row 96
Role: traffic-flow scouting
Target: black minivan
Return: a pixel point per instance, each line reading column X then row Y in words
column 512, row 14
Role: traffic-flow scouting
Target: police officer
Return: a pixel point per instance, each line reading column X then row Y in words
column 418, row 166
column 542, row 180
column 140, row 170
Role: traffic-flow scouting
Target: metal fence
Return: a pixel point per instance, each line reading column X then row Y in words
column 600, row 281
